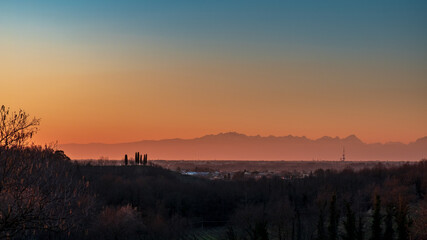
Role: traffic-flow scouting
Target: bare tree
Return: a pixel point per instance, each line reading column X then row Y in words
column 41, row 192
column 16, row 128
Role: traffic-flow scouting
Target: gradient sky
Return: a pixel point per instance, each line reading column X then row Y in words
column 121, row 71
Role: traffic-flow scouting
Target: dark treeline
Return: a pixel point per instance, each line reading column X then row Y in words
column 44, row 195
column 378, row 203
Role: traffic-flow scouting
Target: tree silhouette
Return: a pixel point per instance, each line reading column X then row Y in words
column 16, row 128
column 144, row 161
column 360, row 233
column 333, row 218
column 389, row 232
column 321, row 235
column 349, row 224
column 376, row 219
column 136, row 158
column 403, row 221
column 260, row 230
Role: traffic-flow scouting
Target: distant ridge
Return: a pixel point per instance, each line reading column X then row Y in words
column 237, row 146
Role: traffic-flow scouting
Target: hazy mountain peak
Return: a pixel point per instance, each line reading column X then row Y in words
column 352, row 138
column 327, row 138
column 232, row 134
column 422, row 140
column 224, row 135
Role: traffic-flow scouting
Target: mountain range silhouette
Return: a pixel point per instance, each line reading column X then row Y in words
column 237, row 146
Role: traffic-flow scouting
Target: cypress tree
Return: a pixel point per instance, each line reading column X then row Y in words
column 321, row 235
column 136, row 158
column 403, row 221
column 293, row 229
column 299, row 226
column 261, row 230
column 389, row 232
column 349, row 224
column 360, row 229
column 144, row 162
column 376, row 219
column 333, row 219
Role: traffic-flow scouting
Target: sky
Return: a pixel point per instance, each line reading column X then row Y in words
column 123, row 71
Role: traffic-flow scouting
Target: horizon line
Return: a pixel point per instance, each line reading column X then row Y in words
column 245, row 135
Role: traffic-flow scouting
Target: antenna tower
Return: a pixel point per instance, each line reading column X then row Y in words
column 343, row 155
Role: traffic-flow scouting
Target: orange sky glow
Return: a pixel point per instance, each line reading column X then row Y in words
column 98, row 86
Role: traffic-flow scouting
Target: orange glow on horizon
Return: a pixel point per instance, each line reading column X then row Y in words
column 95, row 93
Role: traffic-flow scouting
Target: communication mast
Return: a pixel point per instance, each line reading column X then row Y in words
column 343, row 155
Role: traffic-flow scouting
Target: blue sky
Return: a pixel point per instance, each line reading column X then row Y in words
column 375, row 27
column 359, row 67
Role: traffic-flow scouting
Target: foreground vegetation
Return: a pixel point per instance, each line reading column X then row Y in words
column 43, row 194
column 376, row 203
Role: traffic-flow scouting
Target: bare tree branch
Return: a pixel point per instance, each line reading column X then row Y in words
column 16, row 128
